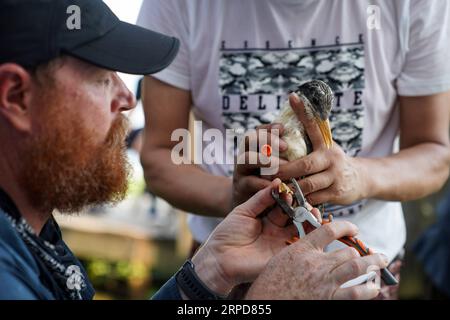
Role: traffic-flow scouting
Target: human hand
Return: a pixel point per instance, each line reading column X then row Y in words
column 304, row 271
column 242, row 244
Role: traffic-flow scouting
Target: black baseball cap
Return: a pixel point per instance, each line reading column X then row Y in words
column 36, row 31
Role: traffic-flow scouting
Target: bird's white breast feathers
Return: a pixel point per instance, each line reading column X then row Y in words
column 294, row 133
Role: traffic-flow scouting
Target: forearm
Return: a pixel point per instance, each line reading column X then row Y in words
column 186, row 186
column 412, row 173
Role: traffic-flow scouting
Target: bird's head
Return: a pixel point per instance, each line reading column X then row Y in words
column 318, row 100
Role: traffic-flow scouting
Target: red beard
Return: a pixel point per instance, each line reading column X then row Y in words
column 64, row 169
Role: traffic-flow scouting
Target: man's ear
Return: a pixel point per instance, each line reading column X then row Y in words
column 15, row 88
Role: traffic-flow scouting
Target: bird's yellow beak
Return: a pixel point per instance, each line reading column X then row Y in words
column 325, row 130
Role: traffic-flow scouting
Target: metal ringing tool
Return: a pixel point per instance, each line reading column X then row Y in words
column 306, row 222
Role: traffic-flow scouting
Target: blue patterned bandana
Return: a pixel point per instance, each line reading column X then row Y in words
column 60, row 270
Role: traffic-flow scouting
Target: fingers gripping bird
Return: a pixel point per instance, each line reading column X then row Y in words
column 317, row 98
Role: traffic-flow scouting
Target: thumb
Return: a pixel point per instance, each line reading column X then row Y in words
column 311, row 127
column 259, row 202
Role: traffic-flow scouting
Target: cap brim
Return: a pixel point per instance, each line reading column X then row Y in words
column 130, row 49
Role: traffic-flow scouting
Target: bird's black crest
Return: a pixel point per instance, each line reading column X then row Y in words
column 319, row 95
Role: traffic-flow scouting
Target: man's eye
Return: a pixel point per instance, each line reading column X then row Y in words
column 105, row 81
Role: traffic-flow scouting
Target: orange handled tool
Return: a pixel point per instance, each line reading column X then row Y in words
column 305, row 222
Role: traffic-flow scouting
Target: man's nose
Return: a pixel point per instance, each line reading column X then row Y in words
column 125, row 99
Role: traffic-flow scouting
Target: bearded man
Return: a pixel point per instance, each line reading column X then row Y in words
column 62, row 129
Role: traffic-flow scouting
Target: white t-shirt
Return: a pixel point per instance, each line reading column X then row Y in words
column 240, row 58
